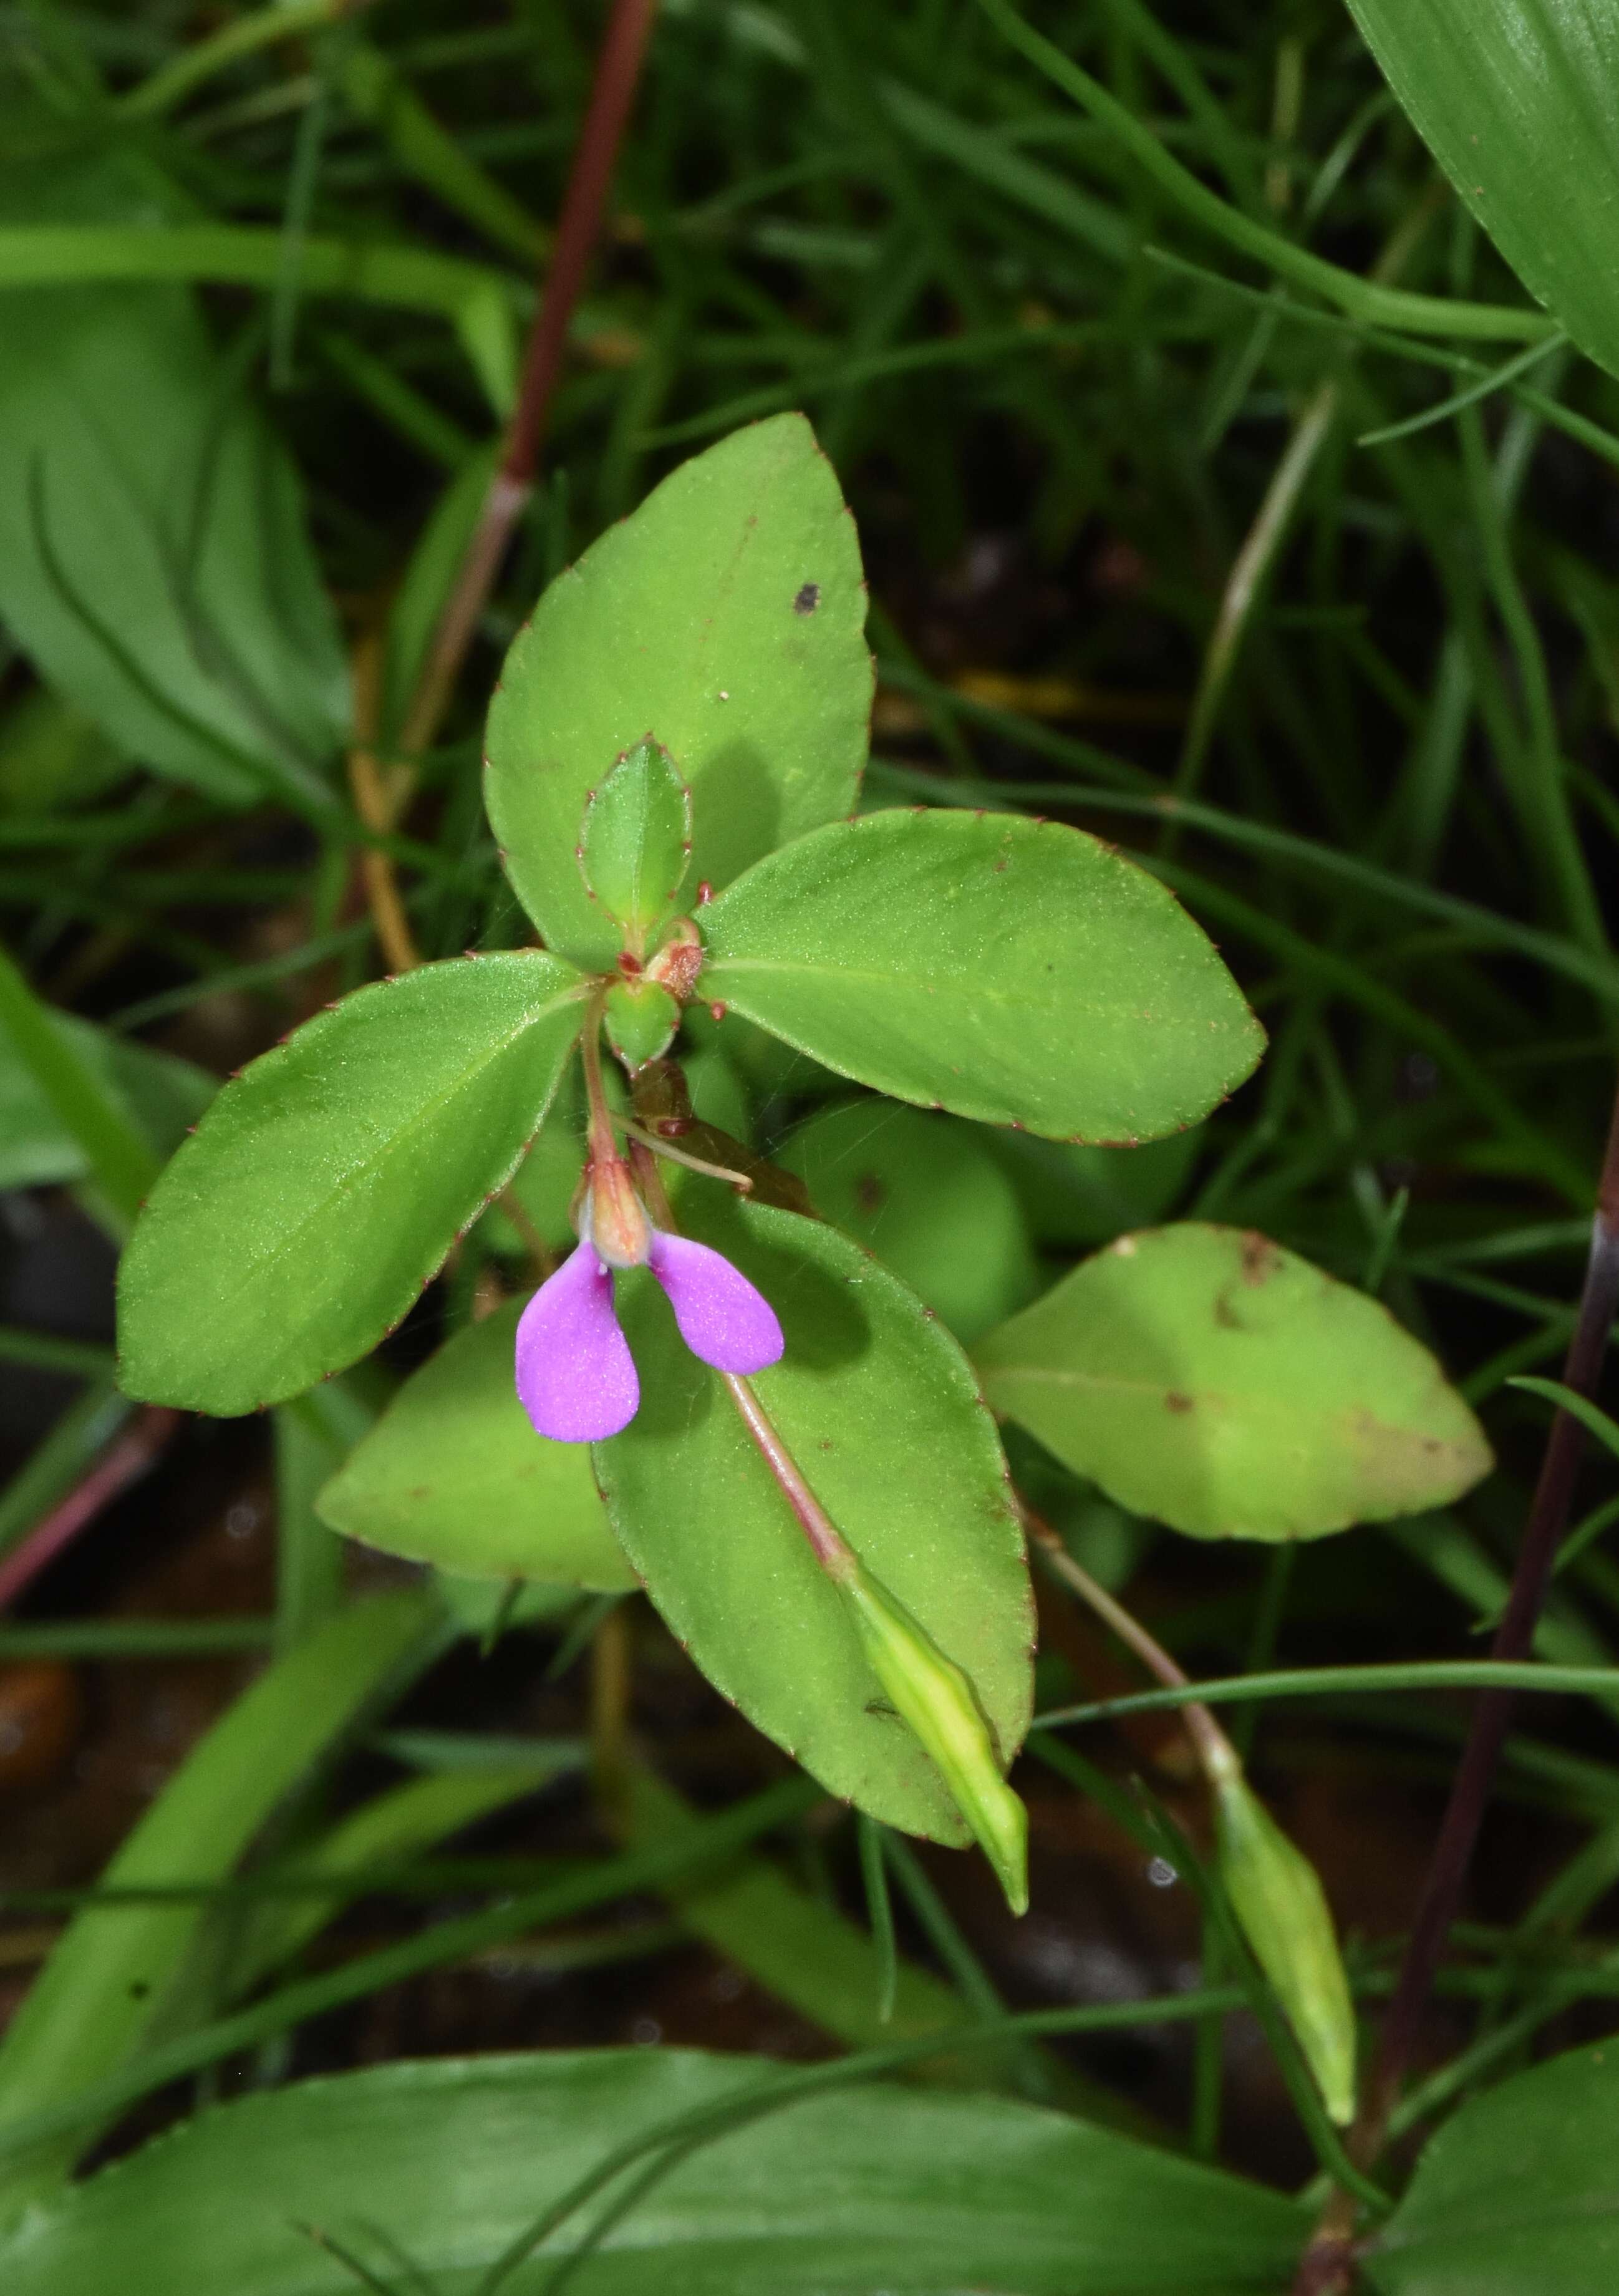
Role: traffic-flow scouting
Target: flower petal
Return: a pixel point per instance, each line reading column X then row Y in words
column 722, row 1317
column 575, row 1375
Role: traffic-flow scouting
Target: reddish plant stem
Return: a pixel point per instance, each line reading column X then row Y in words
column 136, row 1449
column 1216, row 1755
column 1328, row 2267
column 826, row 1543
column 617, row 73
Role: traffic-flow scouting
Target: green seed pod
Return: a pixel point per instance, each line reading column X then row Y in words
column 937, row 1700
column 1276, row 1897
column 641, row 1019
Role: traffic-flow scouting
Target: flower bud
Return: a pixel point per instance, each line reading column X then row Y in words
column 677, row 964
column 640, row 1018
column 939, row 1702
column 1276, row 1897
column 612, row 1217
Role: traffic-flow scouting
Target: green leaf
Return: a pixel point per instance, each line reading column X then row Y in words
column 1206, row 1376
column 805, row 1952
column 928, row 1198
column 157, row 1095
column 444, row 2163
column 154, row 560
column 881, row 1411
column 635, row 843
column 111, row 1974
column 454, row 1474
column 73, row 1093
column 486, row 1607
column 1073, row 1196
column 474, row 298
column 1000, row 967
column 724, row 617
column 1594, row 1420
column 389, row 1828
column 547, row 1180
column 324, row 1187
column 1518, row 100
column 1519, row 2192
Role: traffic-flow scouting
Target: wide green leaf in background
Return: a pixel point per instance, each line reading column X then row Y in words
column 928, row 1195
column 1073, row 1196
column 1518, row 100
column 324, row 1187
column 454, row 1474
column 425, row 2172
column 154, row 560
column 724, row 617
column 1204, row 1376
column 1003, row 968
column 1518, row 2195
column 881, row 1411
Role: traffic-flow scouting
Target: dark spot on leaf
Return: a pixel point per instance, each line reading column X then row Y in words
column 870, row 1192
column 139, row 1989
column 1260, row 1259
column 1175, row 1401
column 807, row 599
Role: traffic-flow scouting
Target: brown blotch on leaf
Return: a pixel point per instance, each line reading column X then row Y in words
column 1260, row 1257
column 870, row 1192
column 1175, row 1401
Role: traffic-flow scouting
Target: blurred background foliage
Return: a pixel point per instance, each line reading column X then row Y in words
column 1157, row 540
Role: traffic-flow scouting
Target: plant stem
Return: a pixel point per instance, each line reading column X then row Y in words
column 130, row 1458
column 740, row 1181
column 601, row 1139
column 595, row 156
column 1215, row 1751
column 830, row 1548
column 1328, row 2266
column 828, row 1544
column 379, row 799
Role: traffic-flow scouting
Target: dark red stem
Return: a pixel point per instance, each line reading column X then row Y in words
column 136, row 1449
column 1327, row 2265
column 595, row 156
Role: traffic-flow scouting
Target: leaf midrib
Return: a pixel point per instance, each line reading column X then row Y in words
column 973, row 993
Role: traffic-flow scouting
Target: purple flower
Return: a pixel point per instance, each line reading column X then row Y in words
column 575, row 1375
